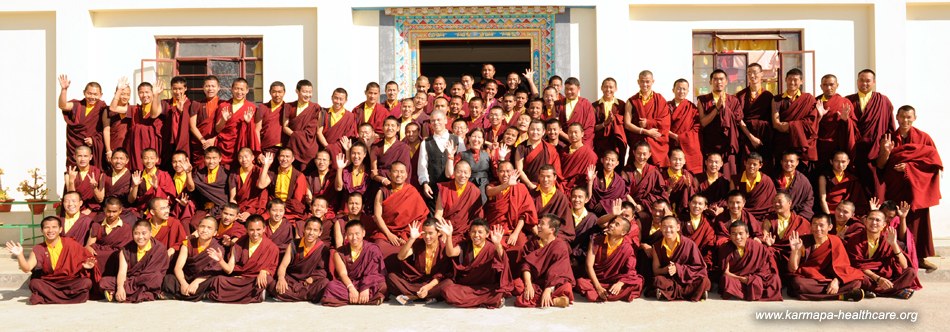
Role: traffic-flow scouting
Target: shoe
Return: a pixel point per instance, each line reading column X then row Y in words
column 501, row 303
column 928, row 266
column 854, row 296
column 870, row 295
column 705, row 296
column 659, row 296
column 906, row 293
column 108, row 296
column 430, row 301
column 561, row 302
column 403, row 300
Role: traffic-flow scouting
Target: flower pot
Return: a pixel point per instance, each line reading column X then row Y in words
column 6, row 207
column 37, row 208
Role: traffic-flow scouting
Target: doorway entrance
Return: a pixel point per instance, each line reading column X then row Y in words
column 453, row 58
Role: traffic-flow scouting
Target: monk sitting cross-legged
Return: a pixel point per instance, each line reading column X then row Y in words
column 424, row 266
column 546, row 269
column 887, row 270
column 250, row 267
column 302, row 274
column 820, row 266
column 361, row 274
column 142, row 266
column 749, row 269
column 481, row 274
column 611, row 266
column 194, row 267
column 680, row 273
column 59, row 266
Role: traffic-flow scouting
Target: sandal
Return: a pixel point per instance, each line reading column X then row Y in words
column 906, row 293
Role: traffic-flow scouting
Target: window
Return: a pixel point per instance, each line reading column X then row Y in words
column 226, row 58
column 731, row 51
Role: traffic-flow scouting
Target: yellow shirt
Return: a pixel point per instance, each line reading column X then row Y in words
column 146, row 109
column 608, row 105
column 569, row 108
column 741, row 251
column 149, row 177
column 789, row 179
column 781, row 225
column 253, row 247
column 116, row 176
column 142, row 251
column 792, row 97
column 301, row 107
column 824, row 98
column 55, row 249
column 546, row 196
column 716, row 98
column 355, row 254
column 654, row 229
column 644, row 100
column 273, row 227
column 579, row 217
column 237, row 106
column 357, row 177
column 244, row 174
column 670, row 247
column 180, row 180
column 83, row 172
column 156, row 228
column 674, row 175
column 200, row 248
column 430, row 260
column 872, row 247
column 336, row 115
column 612, row 247
column 476, row 250
column 213, row 174
column 105, row 224
column 306, row 249
column 840, row 230
column 368, row 112
column 469, row 95
column 749, row 185
column 282, row 185
column 839, row 176
column 388, row 144
column 608, row 178
column 695, row 220
column 508, row 116
column 69, row 222
column 461, row 189
column 275, row 106
column 864, row 98
column 89, row 109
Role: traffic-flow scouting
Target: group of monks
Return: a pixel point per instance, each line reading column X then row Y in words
column 481, row 190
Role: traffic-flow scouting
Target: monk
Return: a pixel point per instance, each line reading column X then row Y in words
column 149, row 182
column 204, row 115
column 608, row 186
column 549, row 199
column 586, row 224
column 611, row 262
column 358, row 281
column 575, row 159
column 387, row 151
column 194, row 268
column 115, row 125
column 392, row 103
column 481, row 277
column 796, row 185
column 756, row 121
column 720, row 115
column 777, row 230
column 396, row 207
column 278, row 229
column 647, row 119
column 609, row 132
column 371, row 111
column 164, row 229
column 248, row 184
column 795, row 120
column 109, row 236
column 236, row 128
column 423, row 266
column 551, row 97
column 75, row 223
column 546, row 269
column 146, row 127
column 712, row 183
column 301, row 124
column 496, row 125
column 511, row 207
column 837, row 124
column 749, row 269
column 320, row 209
column 875, row 118
column 338, row 123
column 757, row 187
column 911, row 166
column 287, row 184
column 459, row 201
column 736, row 210
column 679, row 271
column 433, row 156
column 820, row 266
column 84, row 179
column 881, row 258
column 685, row 126
column 846, row 224
column 477, row 116
column 59, row 266
column 321, row 183
column 142, row 266
column 210, row 184
column 83, row 120
column 681, row 185
column 413, row 111
column 839, row 185
column 175, row 130
column 574, row 108
column 697, row 225
column 302, row 273
column 268, row 118
column 250, row 266
column 353, row 211
column 648, row 235
column 646, row 182
column 182, row 206
column 229, row 231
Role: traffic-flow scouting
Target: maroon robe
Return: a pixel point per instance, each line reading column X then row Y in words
column 206, row 115
column 714, row 192
column 849, row 188
column 79, row 231
column 400, row 209
column 619, row 266
column 376, row 119
column 210, row 197
column 835, row 134
column 612, row 135
column 760, row 199
column 875, row 120
column 535, row 157
column 183, row 212
column 411, row 273
column 757, row 115
column 120, row 189
column 478, row 122
column 87, row 192
column 313, row 264
column 366, row 273
column 303, row 142
column 782, row 249
column 851, row 228
column 460, row 209
column 176, row 131
column 583, row 113
column 550, row 266
column 398, row 151
column 585, row 228
column 324, row 188
column 704, row 236
column 197, row 265
column 657, row 115
column 819, row 265
column 79, row 126
column 107, row 246
column 603, row 196
column 722, row 134
column 144, row 277
column 282, row 235
column 560, row 206
column 345, row 127
column 757, row 264
column 171, row 235
column 919, row 184
column 236, row 231
column 684, row 122
column 272, row 132
column 164, row 187
column 237, row 133
column 800, row 189
column 883, row 263
column 67, row 282
column 144, row 132
column 248, row 196
column 506, row 208
column 478, row 281
column 679, row 192
column 574, row 167
column 690, row 281
column 647, row 189
column 722, row 222
column 802, row 118
column 294, row 206
column 241, row 285
column 118, row 128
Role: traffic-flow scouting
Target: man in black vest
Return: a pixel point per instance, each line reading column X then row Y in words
column 432, row 157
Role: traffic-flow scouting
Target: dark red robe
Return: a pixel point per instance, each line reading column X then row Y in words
column 478, row 281
column 345, row 127
column 657, row 114
column 210, row 197
column 118, row 127
column 574, row 167
column 781, row 249
column 411, row 273
column 757, row 264
column 248, row 196
column 163, row 187
column 835, row 134
column 603, row 196
column 883, row 263
column 560, row 206
column 237, row 133
column 117, row 187
column 80, row 125
column 282, row 235
column 819, row 265
column 648, row 188
column 715, row 192
column 875, row 120
column 802, row 118
column 612, row 136
column 206, row 115
column 197, row 265
column 704, row 236
column 690, row 281
column 235, row 231
column 619, row 266
column 241, row 285
column 680, row 191
column 107, row 246
column 144, row 277
column 760, row 199
column 583, row 113
column 585, row 228
column 550, row 266
column 460, row 209
column 313, row 264
column 176, row 131
column 79, row 231
column 757, row 115
column 367, row 272
column 506, row 208
column 294, row 206
column 303, row 142
column 723, row 220
column 849, row 188
column 684, row 122
column 67, row 282
column 171, row 235
column 722, row 134
column 400, row 209
column 376, row 119
column 87, row 192
column 919, row 184
column 803, row 195
column 144, row 132
column 271, row 119
column 398, row 151
column 535, row 157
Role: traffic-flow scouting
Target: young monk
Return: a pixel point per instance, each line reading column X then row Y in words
column 477, row 117
column 75, row 223
column 911, row 166
column 681, row 185
column 795, row 120
column 609, row 133
column 182, row 207
column 236, row 128
column 395, row 208
column 481, row 277
column 423, row 266
column 757, row 187
column 887, row 271
column 204, row 115
column 534, row 153
column 83, row 120
column 713, row 184
column 59, row 266
column 611, row 266
column 371, row 111
column 320, row 182
column 680, row 273
column 720, row 115
column 647, row 119
column 302, row 274
column 287, row 184
column 338, row 123
column 115, row 125
column 607, row 187
column 576, row 159
column 546, row 269
column 459, row 201
column 837, row 124
column 229, row 231
column 248, row 184
column 84, row 179
column 548, row 199
column 735, row 210
column 646, row 182
column 749, row 269
column 777, row 230
column 250, row 266
column 387, row 151
column 414, row 112
column 149, row 182
column 697, row 225
column 145, row 129
column 510, row 206
column 360, row 272
column 194, row 267
column 352, row 211
column 301, row 124
column 551, row 96
column 268, row 118
column 392, row 103
column 574, row 108
column 142, row 266
column 353, row 171
column 796, row 185
column 845, row 223
column 107, row 238
column 164, row 229
column 210, row 185
column 685, row 126
column 278, row 229
column 840, row 185
column 820, row 266
column 585, row 224
column 875, row 118
column 756, row 120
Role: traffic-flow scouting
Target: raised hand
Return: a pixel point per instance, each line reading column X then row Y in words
column 890, row 235
column 136, row 178
column 820, row 105
column 794, row 241
column 617, row 208
column 340, row 161
column 89, row 263
column 215, row 254
column 529, row 74
column 15, row 248
column 346, row 143
column 268, row 159
column 503, row 151
column 904, row 209
column 886, row 143
column 451, row 148
column 182, row 199
column 846, row 112
column 513, row 178
column 226, row 113
column 64, row 82
column 875, row 203
column 123, row 83
column 591, row 172
column 768, row 238
column 71, row 173
column 444, row 227
column 249, row 115
column 158, row 88
column 415, row 230
column 497, row 234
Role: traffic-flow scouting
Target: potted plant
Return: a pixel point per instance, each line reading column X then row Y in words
column 4, row 197
column 36, row 191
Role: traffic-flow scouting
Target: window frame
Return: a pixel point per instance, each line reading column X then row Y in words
column 242, row 58
column 714, row 34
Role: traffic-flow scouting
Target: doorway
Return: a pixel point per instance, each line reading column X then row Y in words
column 453, row 58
